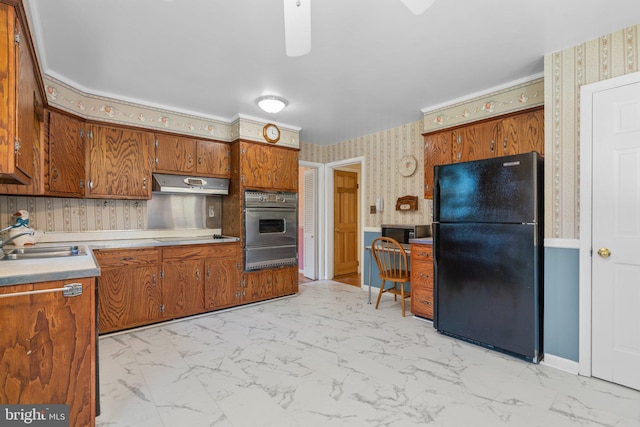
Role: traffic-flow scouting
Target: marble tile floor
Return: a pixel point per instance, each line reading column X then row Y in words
column 327, row 358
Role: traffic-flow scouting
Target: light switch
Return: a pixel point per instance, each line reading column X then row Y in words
column 212, row 213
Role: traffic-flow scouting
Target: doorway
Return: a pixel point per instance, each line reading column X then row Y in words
column 610, row 230
column 310, row 219
column 354, row 165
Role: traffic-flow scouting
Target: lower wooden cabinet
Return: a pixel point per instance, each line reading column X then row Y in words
column 48, row 348
column 222, row 277
column 147, row 285
column 128, row 288
column 422, row 280
column 265, row 284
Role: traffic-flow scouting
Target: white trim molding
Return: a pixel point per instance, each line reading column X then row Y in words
column 562, row 243
column 560, row 363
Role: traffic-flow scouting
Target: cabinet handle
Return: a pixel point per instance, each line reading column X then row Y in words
column 208, row 271
column 90, row 184
column 504, row 143
column 144, row 183
column 54, row 173
column 426, row 187
column 426, row 276
column 199, row 160
column 197, row 274
column 426, row 145
column 153, row 283
column 493, row 143
column 70, row 290
column 425, row 254
column 82, row 183
column 127, row 258
column 459, row 156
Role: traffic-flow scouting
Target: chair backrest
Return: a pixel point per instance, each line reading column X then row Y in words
column 390, row 257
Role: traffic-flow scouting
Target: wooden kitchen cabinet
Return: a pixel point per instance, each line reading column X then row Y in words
column 65, row 171
column 268, row 167
column 21, row 101
column 222, row 276
column 516, row 133
column 128, row 288
column 182, row 281
column 265, row 284
column 179, row 155
column 120, row 163
column 437, row 151
column 422, row 280
column 48, row 348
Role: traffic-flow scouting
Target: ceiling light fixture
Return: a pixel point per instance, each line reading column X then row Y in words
column 271, row 103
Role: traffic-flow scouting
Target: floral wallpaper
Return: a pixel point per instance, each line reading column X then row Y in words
column 565, row 72
column 105, row 109
column 382, row 152
column 518, row 97
column 52, row 214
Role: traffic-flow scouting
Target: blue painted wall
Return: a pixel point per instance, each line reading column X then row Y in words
column 561, row 302
column 561, row 297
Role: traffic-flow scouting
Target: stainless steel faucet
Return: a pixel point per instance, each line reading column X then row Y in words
column 12, row 238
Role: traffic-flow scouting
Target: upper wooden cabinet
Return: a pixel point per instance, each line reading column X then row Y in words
column 516, row 133
column 65, row 171
column 437, row 151
column 120, row 163
column 268, row 167
column 21, row 102
column 179, row 155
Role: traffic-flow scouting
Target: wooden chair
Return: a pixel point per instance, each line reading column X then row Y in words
column 392, row 264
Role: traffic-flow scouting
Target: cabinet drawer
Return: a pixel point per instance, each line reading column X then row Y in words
column 422, row 274
column 215, row 250
column 108, row 258
column 422, row 302
column 421, row 252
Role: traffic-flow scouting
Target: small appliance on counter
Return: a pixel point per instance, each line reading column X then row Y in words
column 402, row 233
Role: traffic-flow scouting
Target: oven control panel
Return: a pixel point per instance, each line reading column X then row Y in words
column 270, row 199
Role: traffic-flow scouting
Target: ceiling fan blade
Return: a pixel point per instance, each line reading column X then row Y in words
column 418, row 7
column 297, row 27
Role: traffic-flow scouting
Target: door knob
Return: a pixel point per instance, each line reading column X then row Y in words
column 337, row 230
column 604, row 252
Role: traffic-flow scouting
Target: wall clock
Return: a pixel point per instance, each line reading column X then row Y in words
column 271, row 132
column 407, row 165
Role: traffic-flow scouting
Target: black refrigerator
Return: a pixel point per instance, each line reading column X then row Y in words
column 488, row 253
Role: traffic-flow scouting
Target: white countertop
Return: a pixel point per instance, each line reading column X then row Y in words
column 15, row 272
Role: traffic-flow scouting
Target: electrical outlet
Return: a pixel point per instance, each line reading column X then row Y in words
column 212, row 212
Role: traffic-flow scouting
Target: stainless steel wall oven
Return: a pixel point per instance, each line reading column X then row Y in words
column 270, row 229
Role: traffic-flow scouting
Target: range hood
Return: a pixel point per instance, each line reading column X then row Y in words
column 180, row 184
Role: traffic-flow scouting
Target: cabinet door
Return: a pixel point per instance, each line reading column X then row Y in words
column 119, row 163
column 47, row 348
column 174, row 155
column 128, row 297
column 183, row 288
column 285, row 281
column 222, row 283
column 285, row 169
column 30, row 113
column 523, row 133
column 214, row 159
column 475, row 142
column 66, row 157
column 255, row 165
column 437, row 151
column 258, row 286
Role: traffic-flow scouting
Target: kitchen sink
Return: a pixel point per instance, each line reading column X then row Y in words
column 37, row 252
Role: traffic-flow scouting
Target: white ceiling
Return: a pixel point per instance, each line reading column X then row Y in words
column 373, row 64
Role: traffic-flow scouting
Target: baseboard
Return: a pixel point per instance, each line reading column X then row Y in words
column 561, row 363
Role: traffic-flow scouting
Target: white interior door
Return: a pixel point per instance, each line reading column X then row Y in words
column 310, row 269
column 616, row 235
